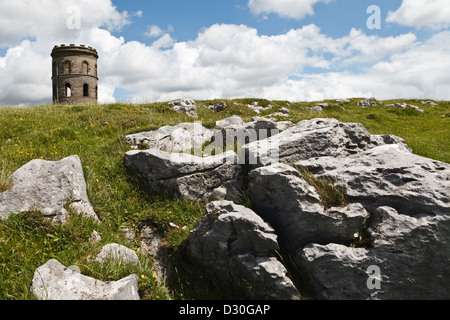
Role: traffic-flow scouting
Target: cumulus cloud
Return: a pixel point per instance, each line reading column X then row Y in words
column 235, row 61
column 432, row 14
column 21, row 19
column 420, row 71
column 25, row 74
column 154, row 31
column 227, row 60
column 296, row 9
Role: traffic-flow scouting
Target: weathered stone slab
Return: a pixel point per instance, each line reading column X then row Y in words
column 53, row 281
column 47, row 187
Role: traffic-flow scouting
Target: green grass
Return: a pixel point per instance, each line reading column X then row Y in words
column 96, row 134
column 330, row 194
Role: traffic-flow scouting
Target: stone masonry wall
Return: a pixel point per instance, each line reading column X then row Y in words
column 76, row 68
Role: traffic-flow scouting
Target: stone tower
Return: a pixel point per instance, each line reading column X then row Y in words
column 74, row 75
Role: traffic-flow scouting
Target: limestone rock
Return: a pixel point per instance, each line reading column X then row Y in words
column 234, row 136
column 316, row 109
column 53, row 281
column 284, row 125
column 431, row 103
column 293, row 207
column 183, row 137
column 191, row 177
column 235, row 133
column 117, row 252
column 411, row 255
column 316, row 138
column 404, row 106
column 185, row 105
column 259, row 109
column 218, row 107
column 368, row 103
column 230, row 122
column 335, row 272
column 283, row 112
column 95, row 237
column 259, row 128
column 47, row 187
column 389, row 175
column 236, row 246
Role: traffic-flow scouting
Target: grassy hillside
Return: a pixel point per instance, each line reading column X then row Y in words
column 96, row 134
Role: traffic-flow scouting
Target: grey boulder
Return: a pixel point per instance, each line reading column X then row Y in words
column 404, row 106
column 53, row 281
column 236, row 246
column 47, row 187
column 229, row 122
column 186, row 106
column 259, row 109
column 118, row 253
column 407, row 260
column 183, row 137
column 191, row 177
column 315, row 138
column 368, row 102
column 294, row 208
column 218, row 107
column 389, row 175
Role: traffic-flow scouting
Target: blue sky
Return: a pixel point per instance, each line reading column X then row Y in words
column 276, row 49
column 188, row 18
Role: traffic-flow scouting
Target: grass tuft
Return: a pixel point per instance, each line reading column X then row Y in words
column 330, row 194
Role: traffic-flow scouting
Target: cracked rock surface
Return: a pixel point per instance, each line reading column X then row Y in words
column 47, row 187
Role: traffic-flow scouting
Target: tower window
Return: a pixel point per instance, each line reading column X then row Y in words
column 68, row 90
column 85, row 67
column 67, row 67
column 86, row 90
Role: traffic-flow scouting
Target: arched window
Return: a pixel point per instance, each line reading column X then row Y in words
column 85, row 67
column 67, row 67
column 85, row 90
column 68, row 90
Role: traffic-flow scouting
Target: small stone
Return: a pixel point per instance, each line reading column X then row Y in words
column 117, row 252
column 95, row 237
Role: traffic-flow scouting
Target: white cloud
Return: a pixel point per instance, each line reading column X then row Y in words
column 25, row 74
column 296, row 9
column 234, row 61
column 420, row 71
column 154, row 31
column 433, row 14
column 49, row 18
